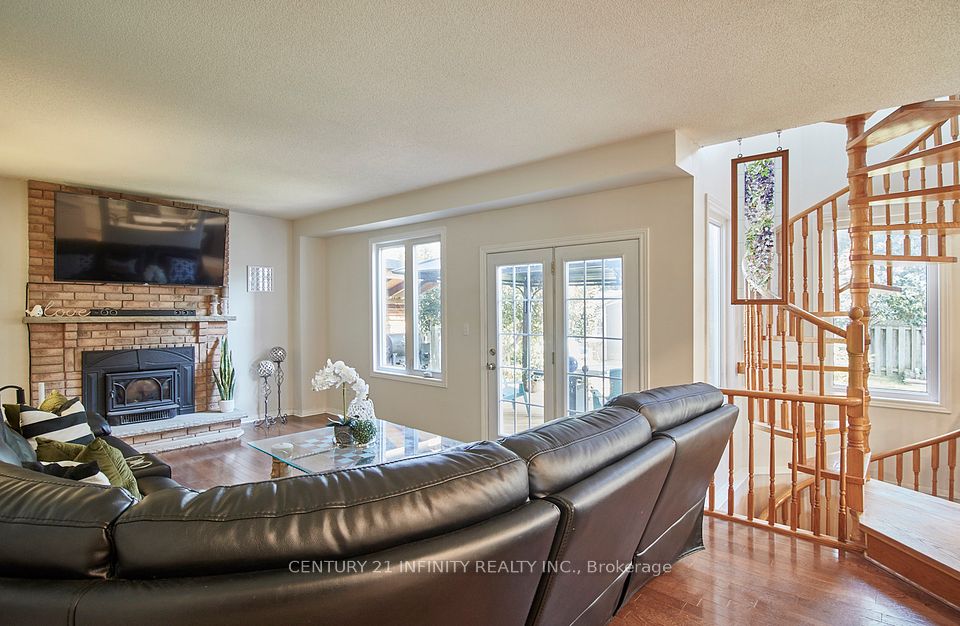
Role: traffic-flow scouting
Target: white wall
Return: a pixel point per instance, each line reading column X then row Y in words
column 665, row 208
column 263, row 319
column 14, row 366
column 310, row 324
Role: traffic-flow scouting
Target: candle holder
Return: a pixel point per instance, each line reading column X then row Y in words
column 278, row 355
column 265, row 370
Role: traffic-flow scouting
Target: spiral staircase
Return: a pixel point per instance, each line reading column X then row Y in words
column 801, row 463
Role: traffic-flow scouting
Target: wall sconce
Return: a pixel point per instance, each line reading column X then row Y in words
column 259, row 278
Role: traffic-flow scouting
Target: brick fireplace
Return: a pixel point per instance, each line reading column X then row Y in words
column 58, row 345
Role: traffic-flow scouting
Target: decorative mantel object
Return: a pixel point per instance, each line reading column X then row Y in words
column 760, row 213
column 226, row 379
column 360, row 409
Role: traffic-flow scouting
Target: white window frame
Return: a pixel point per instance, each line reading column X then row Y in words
column 410, row 373
column 934, row 398
column 718, row 215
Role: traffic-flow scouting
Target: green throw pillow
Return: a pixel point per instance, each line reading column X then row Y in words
column 110, row 460
column 50, row 450
column 53, row 402
column 112, row 464
column 12, row 412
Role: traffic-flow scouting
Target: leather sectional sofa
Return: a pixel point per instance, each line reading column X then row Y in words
column 558, row 525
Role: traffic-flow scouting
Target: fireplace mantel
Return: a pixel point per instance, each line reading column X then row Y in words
column 130, row 319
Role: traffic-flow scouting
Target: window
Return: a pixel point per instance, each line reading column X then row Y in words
column 904, row 324
column 716, row 295
column 409, row 321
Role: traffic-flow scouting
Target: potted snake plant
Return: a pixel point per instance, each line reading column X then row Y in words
column 226, row 378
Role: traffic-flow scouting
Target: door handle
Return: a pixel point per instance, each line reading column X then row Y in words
column 491, row 366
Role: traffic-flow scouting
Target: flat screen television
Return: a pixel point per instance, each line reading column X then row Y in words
column 105, row 240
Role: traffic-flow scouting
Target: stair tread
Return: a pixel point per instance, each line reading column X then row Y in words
column 924, row 524
column 937, row 155
column 929, row 226
column 945, row 192
column 903, row 258
column 907, row 119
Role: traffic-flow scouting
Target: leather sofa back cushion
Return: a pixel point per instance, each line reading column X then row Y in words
column 666, row 407
column 563, row 452
column 53, row 527
column 177, row 532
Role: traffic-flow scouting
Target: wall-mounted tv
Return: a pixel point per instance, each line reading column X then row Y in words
column 105, row 240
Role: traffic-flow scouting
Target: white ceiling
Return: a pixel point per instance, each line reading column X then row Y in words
column 288, row 107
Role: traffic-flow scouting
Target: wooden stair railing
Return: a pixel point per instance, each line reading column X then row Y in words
column 930, row 448
column 905, row 120
column 898, row 210
column 789, row 411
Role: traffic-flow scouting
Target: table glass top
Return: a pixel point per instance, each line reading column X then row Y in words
column 313, row 451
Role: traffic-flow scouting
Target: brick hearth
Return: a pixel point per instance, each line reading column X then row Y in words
column 55, row 349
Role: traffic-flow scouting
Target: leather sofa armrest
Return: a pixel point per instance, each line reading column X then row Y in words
column 98, row 424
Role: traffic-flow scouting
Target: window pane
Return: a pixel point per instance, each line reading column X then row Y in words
column 392, row 301
column 714, row 303
column 521, row 356
column 426, row 260
column 594, row 332
column 899, row 359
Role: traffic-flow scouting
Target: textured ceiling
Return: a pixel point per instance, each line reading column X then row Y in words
column 288, row 108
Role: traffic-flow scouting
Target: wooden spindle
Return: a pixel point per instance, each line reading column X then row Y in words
column 818, row 462
column 804, row 232
column 941, row 208
column 795, row 458
column 955, row 212
column 934, row 467
column 916, row 470
column 900, row 470
column 790, row 268
column 952, row 466
column 924, row 240
column 822, row 357
column 906, row 213
column 827, row 499
column 842, row 509
column 746, row 346
column 886, row 189
column 772, row 501
column 820, row 267
column 769, row 347
column 730, row 472
column 750, row 456
column 798, row 329
column 711, row 496
column 836, row 257
column 758, row 320
column 880, row 469
column 782, row 331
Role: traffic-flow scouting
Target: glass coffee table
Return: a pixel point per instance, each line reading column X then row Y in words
column 313, row 451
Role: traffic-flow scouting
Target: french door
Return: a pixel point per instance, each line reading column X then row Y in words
column 563, row 331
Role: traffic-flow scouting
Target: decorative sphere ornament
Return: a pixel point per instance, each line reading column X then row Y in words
column 278, row 354
column 265, row 369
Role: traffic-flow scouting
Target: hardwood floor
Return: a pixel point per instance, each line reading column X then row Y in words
column 232, row 462
column 751, row 576
column 745, row 576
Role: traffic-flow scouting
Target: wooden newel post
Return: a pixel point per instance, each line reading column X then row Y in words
column 858, row 443
column 858, row 420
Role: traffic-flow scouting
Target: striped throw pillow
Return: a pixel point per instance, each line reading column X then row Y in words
column 69, row 424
